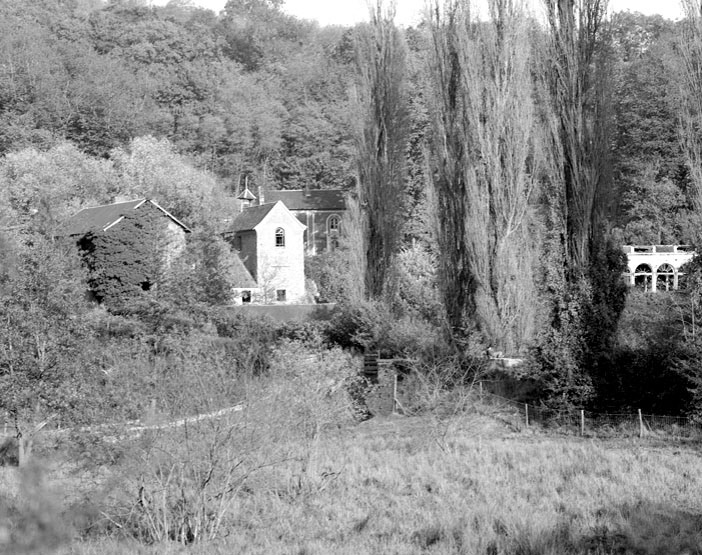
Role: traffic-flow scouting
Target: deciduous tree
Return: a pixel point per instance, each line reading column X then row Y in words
column 585, row 292
column 690, row 107
column 152, row 168
column 382, row 141
column 487, row 157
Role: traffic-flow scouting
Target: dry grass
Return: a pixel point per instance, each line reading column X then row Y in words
column 402, row 485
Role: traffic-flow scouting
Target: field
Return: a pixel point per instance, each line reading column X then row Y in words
column 470, row 484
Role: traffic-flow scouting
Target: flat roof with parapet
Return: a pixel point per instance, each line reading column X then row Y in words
column 658, row 249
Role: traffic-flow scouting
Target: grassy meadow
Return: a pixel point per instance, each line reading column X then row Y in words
column 471, row 484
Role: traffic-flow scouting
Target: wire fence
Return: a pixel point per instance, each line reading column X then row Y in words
column 387, row 396
column 596, row 424
column 525, row 415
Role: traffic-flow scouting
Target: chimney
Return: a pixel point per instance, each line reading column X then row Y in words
column 260, row 196
column 308, row 193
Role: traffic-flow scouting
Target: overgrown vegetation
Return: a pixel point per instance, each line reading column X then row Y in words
column 410, row 486
column 486, row 212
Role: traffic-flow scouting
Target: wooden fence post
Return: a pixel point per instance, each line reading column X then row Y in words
column 641, row 425
column 582, row 422
column 526, row 414
column 394, row 390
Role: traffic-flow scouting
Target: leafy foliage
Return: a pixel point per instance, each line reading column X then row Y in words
column 382, row 141
column 42, row 327
column 152, row 168
column 417, row 284
column 371, row 327
column 127, row 259
column 203, row 273
column 657, row 211
column 45, row 187
column 330, row 273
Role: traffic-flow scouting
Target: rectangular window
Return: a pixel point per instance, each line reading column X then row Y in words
column 246, row 296
column 280, row 295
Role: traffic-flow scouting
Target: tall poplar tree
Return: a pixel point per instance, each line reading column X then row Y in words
column 488, row 157
column 584, row 288
column 580, row 104
column 381, row 143
column 690, row 110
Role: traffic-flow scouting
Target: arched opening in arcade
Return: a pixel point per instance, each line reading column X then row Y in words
column 665, row 278
column 643, row 277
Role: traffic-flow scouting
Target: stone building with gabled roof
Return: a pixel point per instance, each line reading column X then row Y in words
column 125, row 245
column 269, row 241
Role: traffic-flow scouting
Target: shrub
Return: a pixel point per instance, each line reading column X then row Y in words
column 417, row 287
column 330, row 273
column 205, row 272
column 32, row 522
column 371, row 326
column 314, row 384
column 43, row 328
column 184, row 483
column 360, row 326
column 247, row 340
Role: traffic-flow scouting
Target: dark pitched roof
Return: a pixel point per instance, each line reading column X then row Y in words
column 242, row 277
column 312, row 199
column 250, row 217
column 101, row 218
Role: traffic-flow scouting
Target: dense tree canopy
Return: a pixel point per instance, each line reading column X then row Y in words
column 252, row 92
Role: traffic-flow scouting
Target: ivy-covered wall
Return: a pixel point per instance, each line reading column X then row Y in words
column 130, row 257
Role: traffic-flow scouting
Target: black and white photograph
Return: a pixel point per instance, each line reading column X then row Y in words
column 350, row 277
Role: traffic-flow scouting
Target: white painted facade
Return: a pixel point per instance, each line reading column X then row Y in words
column 656, row 267
column 272, row 249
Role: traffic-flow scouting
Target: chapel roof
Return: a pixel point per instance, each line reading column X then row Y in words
column 309, row 199
column 251, row 217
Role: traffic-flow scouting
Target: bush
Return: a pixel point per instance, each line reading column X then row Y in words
column 32, row 521
column 360, row 326
column 330, row 273
column 204, row 273
column 313, row 384
column 247, row 340
column 183, row 484
column 371, row 326
column 417, row 287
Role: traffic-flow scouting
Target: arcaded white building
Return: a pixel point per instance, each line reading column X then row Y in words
column 656, row 267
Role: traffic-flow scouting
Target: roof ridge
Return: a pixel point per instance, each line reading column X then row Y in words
column 104, row 216
column 114, row 203
column 301, row 190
